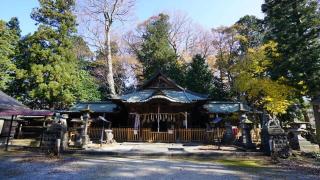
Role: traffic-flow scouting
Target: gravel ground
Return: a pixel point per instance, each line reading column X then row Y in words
column 17, row 165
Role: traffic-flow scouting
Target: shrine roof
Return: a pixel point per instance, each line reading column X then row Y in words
column 99, row 107
column 226, row 107
column 167, row 94
column 161, row 87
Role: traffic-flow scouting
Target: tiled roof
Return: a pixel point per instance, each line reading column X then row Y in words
column 225, row 107
column 103, row 106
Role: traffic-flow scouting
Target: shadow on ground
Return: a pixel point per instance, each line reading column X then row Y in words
column 26, row 165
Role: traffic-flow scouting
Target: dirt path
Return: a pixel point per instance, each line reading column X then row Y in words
column 33, row 166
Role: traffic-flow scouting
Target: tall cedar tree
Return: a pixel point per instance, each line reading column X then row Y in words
column 155, row 52
column 294, row 25
column 48, row 67
column 9, row 37
column 199, row 77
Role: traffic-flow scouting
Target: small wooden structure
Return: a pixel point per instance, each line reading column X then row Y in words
column 11, row 114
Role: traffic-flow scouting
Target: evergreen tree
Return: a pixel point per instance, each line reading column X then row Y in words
column 251, row 32
column 14, row 25
column 199, row 77
column 294, row 25
column 155, row 52
column 88, row 88
column 48, row 67
column 8, row 42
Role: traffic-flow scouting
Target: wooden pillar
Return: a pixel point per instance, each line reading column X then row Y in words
column 9, row 133
column 43, row 129
column 186, row 119
column 158, row 118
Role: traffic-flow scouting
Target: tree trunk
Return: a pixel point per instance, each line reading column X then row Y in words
column 110, row 79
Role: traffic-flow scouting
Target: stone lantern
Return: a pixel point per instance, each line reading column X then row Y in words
column 246, row 126
column 84, row 132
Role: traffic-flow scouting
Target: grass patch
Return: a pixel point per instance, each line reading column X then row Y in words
column 240, row 163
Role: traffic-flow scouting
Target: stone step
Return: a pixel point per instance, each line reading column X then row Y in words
column 25, row 142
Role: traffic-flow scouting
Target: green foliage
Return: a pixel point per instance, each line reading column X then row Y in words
column 250, row 32
column 47, row 66
column 88, row 90
column 14, row 25
column 253, row 83
column 294, row 25
column 81, row 49
column 8, row 41
column 199, row 77
column 155, row 52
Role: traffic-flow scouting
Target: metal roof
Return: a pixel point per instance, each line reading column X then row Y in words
column 27, row 112
column 170, row 95
column 103, row 107
column 10, row 106
column 9, row 103
column 225, row 107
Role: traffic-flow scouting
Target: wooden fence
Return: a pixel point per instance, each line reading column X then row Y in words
column 177, row 135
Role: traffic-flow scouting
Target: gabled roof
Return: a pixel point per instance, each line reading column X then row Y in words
column 159, row 80
column 170, row 95
column 162, row 87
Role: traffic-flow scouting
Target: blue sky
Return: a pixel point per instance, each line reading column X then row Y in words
column 208, row 13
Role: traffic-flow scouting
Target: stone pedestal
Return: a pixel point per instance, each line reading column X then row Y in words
column 55, row 138
column 274, row 139
column 228, row 136
column 109, row 136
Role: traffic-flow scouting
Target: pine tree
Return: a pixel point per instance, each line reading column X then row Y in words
column 199, row 78
column 294, row 25
column 48, row 68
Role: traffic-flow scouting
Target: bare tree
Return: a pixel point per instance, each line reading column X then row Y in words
column 180, row 27
column 202, row 43
column 188, row 38
column 97, row 18
column 226, row 44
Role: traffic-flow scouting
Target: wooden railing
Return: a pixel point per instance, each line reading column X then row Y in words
column 146, row 135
